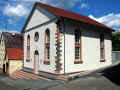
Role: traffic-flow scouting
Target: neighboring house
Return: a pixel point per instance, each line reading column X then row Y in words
column 11, row 53
column 58, row 41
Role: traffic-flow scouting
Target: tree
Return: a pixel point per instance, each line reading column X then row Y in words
column 116, row 41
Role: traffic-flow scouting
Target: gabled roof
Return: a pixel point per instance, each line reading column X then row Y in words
column 66, row 14
column 13, row 40
column 14, row 53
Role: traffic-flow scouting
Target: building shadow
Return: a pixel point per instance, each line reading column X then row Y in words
column 113, row 74
column 2, row 74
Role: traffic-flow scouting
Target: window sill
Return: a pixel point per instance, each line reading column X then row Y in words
column 102, row 60
column 47, row 62
column 77, row 44
column 78, row 62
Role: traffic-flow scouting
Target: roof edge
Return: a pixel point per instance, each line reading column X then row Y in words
column 102, row 25
column 29, row 17
column 42, row 5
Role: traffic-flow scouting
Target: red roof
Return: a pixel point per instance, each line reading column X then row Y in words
column 14, row 53
column 71, row 15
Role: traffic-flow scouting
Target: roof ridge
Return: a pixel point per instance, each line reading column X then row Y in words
column 57, row 8
column 60, row 12
column 73, row 14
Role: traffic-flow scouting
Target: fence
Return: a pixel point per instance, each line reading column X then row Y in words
column 115, row 56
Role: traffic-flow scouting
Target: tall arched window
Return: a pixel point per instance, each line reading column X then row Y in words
column 28, row 48
column 47, row 47
column 78, row 55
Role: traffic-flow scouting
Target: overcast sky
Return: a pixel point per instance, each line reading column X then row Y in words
column 13, row 13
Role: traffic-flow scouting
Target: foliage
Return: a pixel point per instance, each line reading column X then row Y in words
column 116, row 41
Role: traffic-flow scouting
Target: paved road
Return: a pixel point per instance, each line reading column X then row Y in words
column 93, row 82
column 109, row 79
column 88, row 83
column 25, row 84
column 7, row 83
column 3, row 86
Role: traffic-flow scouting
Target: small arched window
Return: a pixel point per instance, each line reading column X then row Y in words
column 47, row 47
column 36, row 37
column 28, row 48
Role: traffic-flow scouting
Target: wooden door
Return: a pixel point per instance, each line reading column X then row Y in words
column 36, row 62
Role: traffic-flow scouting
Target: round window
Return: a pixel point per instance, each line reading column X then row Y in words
column 36, row 36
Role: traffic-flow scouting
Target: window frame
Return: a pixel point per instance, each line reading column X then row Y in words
column 78, row 44
column 36, row 38
column 102, row 46
column 47, row 47
column 28, row 49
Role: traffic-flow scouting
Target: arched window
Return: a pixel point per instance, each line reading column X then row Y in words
column 28, row 48
column 102, row 50
column 36, row 37
column 47, row 47
column 47, row 36
column 78, row 55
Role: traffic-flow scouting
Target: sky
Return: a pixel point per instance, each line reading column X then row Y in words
column 14, row 13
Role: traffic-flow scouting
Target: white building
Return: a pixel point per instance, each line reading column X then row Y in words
column 60, row 42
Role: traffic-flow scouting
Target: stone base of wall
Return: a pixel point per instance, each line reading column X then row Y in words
column 14, row 65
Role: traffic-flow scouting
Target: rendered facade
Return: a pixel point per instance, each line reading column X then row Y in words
column 59, row 42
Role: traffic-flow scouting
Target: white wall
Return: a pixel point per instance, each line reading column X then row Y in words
column 90, row 50
column 38, row 18
column 39, row 45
